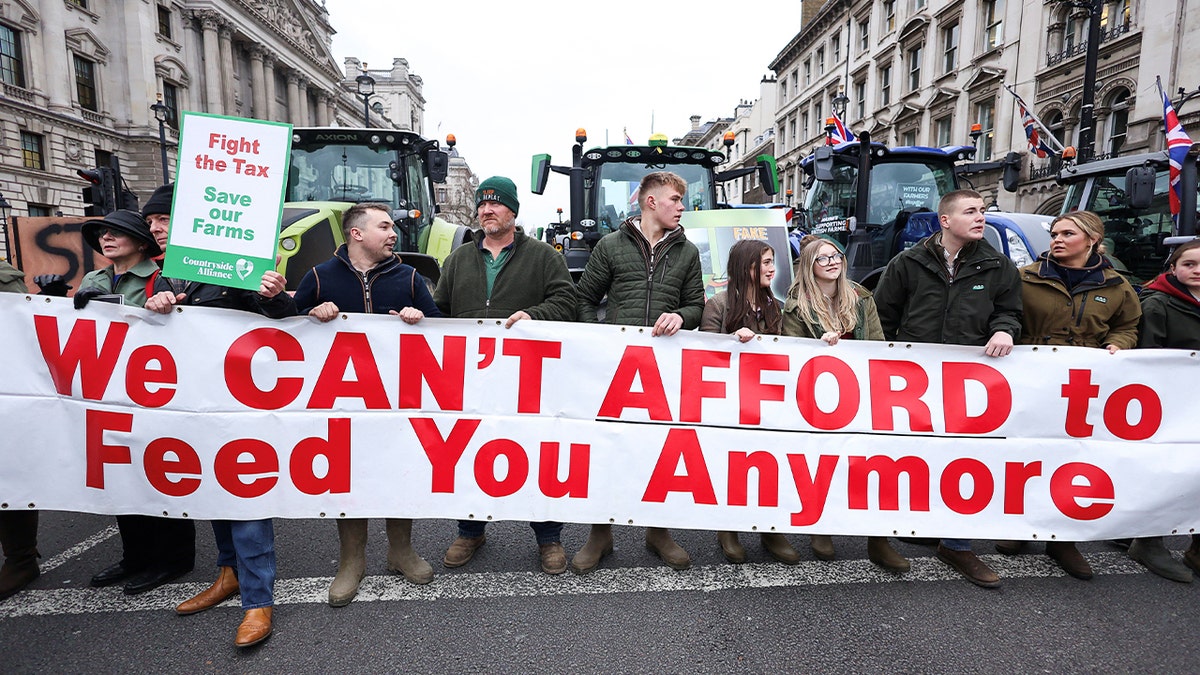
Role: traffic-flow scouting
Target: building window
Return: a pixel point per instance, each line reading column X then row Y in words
column 950, row 48
column 914, row 67
column 1115, row 15
column 945, row 130
column 782, row 140
column 1118, row 121
column 985, row 116
column 164, row 21
column 835, row 47
column 32, row 151
column 171, row 100
column 804, row 121
column 819, row 117
column 12, row 65
column 792, row 132
column 1057, row 129
column 860, row 98
column 79, row 3
column 821, row 61
column 40, row 211
column 864, row 35
column 889, row 16
column 919, row 5
column 807, row 72
column 909, row 137
column 783, row 89
column 885, row 85
column 85, row 83
column 993, row 23
column 795, row 82
column 441, row 195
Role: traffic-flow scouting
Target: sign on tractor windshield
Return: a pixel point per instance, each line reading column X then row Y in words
column 715, row 232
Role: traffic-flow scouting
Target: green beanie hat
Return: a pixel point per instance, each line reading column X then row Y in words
column 498, row 189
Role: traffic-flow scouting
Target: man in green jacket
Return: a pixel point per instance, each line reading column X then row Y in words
column 954, row 288
column 505, row 275
column 652, row 277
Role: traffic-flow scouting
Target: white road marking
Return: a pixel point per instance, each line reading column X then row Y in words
column 458, row 586
column 78, row 549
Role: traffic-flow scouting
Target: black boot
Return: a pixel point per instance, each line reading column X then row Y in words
column 18, row 536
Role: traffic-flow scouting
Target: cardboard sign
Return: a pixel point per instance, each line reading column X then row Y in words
column 715, row 232
column 228, row 199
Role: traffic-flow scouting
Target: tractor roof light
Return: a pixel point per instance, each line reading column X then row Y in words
column 1069, row 153
column 728, row 139
column 581, row 135
column 658, row 140
column 451, row 140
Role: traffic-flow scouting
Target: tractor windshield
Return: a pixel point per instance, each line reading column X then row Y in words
column 896, row 187
column 617, row 198
column 354, row 172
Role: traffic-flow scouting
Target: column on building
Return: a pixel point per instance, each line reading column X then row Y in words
column 225, row 37
column 293, row 97
column 210, row 21
column 302, row 118
column 322, row 108
column 258, row 87
column 271, row 109
column 56, row 80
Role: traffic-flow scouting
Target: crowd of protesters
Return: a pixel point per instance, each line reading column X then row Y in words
column 649, row 274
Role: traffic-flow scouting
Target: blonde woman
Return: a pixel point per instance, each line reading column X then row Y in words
column 823, row 304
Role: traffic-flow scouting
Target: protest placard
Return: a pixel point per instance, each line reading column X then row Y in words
column 228, row 199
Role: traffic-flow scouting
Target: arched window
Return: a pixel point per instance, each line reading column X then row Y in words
column 1054, row 122
column 1118, row 121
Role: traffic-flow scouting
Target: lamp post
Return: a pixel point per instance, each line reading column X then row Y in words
column 1087, row 122
column 366, row 88
column 162, row 113
column 839, row 104
column 4, row 207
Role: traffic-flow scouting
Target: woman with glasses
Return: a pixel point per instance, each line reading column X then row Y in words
column 747, row 308
column 823, row 304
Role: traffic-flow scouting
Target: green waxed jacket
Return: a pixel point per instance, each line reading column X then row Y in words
column 535, row 280
column 12, row 280
column 917, row 301
column 131, row 285
column 866, row 327
column 641, row 282
column 1102, row 309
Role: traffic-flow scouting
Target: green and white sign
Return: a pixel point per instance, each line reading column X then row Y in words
column 228, row 199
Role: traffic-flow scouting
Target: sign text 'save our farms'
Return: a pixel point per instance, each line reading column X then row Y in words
column 223, row 414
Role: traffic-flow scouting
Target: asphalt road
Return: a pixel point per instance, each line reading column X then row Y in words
column 501, row 614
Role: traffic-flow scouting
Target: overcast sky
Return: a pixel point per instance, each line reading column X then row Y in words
column 510, row 80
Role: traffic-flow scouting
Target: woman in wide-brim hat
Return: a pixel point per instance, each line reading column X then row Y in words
column 154, row 550
column 124, row 238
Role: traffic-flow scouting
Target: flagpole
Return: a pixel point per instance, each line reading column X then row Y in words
column 1049, row 136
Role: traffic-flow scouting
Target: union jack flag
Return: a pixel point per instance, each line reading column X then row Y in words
column 840, row 133
column 1036, row 144
column 1178, row 144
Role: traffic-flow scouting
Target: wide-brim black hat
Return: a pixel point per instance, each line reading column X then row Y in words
column 126, row 222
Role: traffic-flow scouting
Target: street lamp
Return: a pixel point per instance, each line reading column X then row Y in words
column 839, row 104
column 366, row 88
column 162, row 113
column 4, row 207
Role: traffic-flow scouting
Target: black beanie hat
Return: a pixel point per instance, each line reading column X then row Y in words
column 160, row 201
column 125, row 222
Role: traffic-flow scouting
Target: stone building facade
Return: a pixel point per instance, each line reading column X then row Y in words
column 78, row 77
column 921, row 72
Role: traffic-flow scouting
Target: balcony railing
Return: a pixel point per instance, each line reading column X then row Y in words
column 1077, row 49
column 19, row 93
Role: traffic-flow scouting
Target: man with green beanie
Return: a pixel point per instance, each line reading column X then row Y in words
column 505, row 275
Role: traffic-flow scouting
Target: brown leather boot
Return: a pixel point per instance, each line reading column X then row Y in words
column 225, row 587
column 1070, row 559
column 779, row 548
column 255, row 627
column 599, row 544
column 970, row 566
column 553, row 557
column 880, row 552
column 1151, row 552
column 1009, row 547
column 462, row 550
column 18, row 536
column 352, row 561
column 401, row 556
column 822, row 546
column 732, row 549
column 659, row 541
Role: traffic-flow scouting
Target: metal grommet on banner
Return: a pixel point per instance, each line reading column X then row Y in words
column 179, row 310
column 612, row 521
column 631, row 522
column 470, row 516
column 489, row 517
column 47, row 300
column 754, row 528
column 166, row 515
column 622, row 329
column 341, row 515
column 184, row 514
column 32, row 505
column 4, row 505
column 321, row 514
column 1035, row 536
column 345, row 316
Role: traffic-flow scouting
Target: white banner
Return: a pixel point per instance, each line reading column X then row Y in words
column 212, row 413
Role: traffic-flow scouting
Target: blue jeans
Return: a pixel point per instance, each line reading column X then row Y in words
column 548, row 532
column 248, row 546
column 957, row 544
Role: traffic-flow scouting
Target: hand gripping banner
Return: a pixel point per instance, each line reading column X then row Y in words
column 208, row 413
